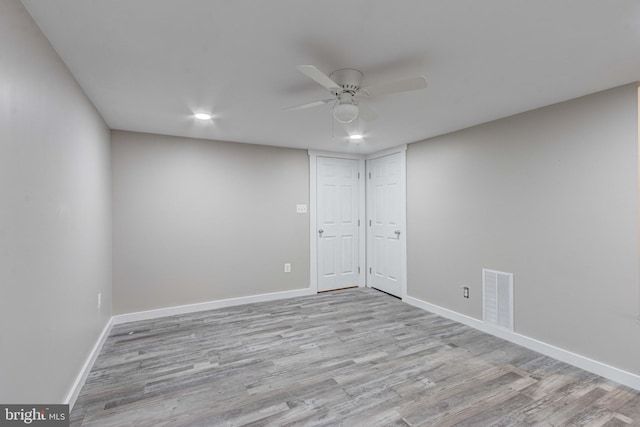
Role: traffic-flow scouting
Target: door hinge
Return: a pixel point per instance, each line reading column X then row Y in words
column 369, row 223
column 369, row 270
column 358, row 269
column 358, row 223
column 358, row 175
column 369, row 175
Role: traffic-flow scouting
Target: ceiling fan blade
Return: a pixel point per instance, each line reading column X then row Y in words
column 308, row 105
column 414, row 83
column 320, row 77
column 367, row 114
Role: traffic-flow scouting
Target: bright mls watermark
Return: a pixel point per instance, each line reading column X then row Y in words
column 34, row 415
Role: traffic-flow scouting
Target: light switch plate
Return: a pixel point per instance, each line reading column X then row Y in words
column 301, row 209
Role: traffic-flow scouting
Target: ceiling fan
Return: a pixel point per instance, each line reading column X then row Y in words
column 345, row 86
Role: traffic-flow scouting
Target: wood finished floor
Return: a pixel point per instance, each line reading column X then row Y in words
column 355, row 357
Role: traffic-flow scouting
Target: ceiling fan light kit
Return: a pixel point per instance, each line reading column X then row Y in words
column 345, row 111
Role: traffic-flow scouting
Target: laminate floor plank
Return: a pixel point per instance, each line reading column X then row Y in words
column 355, row 357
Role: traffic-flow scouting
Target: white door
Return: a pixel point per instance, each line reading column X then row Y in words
column 385, row 215
column 337, row 223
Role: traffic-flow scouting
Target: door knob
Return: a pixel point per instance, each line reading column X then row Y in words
column 397, row 233
column 320, row 232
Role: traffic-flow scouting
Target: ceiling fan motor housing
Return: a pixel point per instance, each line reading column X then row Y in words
column 348, row 79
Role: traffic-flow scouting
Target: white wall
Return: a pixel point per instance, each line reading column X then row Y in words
column 198, row 220
column 55, row 217
column 550, row 195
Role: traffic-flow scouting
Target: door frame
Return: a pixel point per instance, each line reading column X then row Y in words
column 313, row 235
column 402, row 150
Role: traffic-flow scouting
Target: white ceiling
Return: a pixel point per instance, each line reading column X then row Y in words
column 147, row 65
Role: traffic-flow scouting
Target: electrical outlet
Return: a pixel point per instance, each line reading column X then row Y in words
column 301, row 209
column 287, row 268
column 99, row 300
column 465, row 292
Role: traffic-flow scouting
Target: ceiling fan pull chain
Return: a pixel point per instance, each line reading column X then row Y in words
column 333, row 125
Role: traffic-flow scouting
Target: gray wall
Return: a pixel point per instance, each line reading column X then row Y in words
column 550, row 195
column 198, row 221
column 55, row 217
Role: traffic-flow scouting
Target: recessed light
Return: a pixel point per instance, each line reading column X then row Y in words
column 356, row 137
column 203, row 116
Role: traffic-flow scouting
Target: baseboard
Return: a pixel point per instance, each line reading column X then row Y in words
column 71, row 397
column 618, row 375
column 209, row 305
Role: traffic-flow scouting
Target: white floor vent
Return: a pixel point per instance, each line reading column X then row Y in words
column 497, row 298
